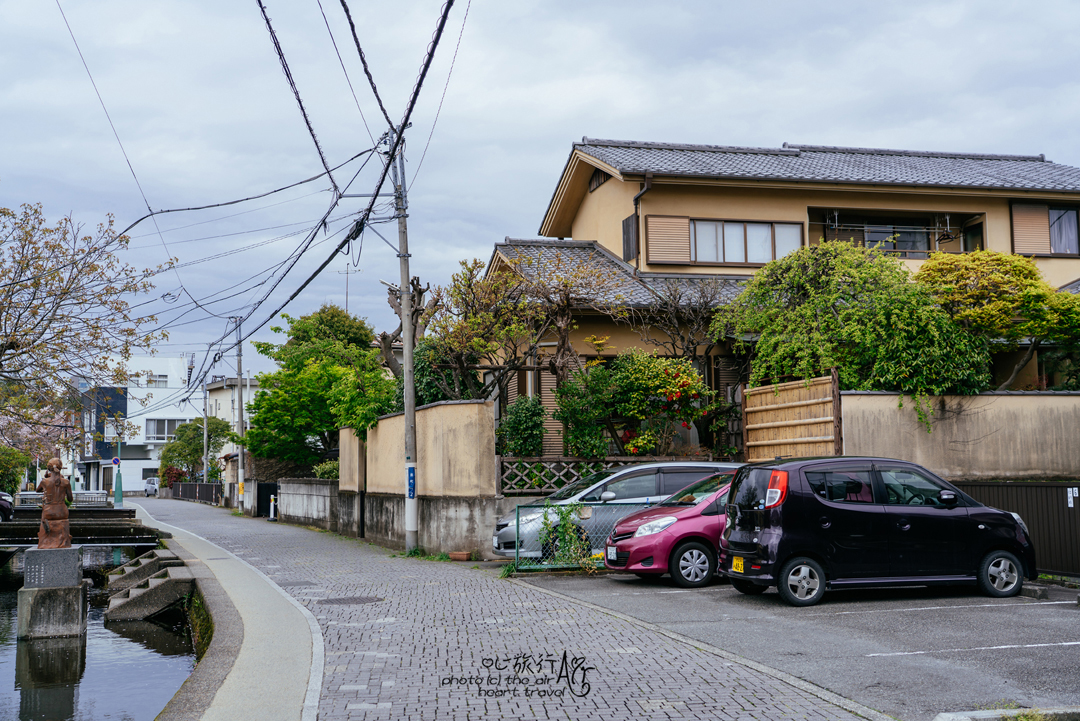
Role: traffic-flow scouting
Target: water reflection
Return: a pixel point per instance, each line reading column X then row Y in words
column 124, row 671
column 47, row 675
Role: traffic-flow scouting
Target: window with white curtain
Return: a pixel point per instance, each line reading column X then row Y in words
column 723, row 242
column 1063, row 231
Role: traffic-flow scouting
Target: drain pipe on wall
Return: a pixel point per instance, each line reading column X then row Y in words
column 637, row 218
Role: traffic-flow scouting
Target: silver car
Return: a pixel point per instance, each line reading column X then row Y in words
column 618, row 492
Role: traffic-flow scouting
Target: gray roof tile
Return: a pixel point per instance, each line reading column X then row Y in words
column 631, row 289
column 836, row 165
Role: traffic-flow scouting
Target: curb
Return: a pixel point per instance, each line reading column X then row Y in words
column 812, row 689
column 1039, row 593
column 197, row 692
column 310, row 710
column 1065, row 713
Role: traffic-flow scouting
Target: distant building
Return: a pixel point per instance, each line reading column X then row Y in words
column 224, row 395
column 156, row 403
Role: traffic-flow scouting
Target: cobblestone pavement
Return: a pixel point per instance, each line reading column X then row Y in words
column 413, row 639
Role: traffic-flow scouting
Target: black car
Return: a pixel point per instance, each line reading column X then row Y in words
column 7, row 507
column 811, row 524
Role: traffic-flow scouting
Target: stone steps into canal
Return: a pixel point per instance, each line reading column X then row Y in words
column 152, row 595
column 141, row 568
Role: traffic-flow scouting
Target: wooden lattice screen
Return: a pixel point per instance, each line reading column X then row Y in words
column 793, row 420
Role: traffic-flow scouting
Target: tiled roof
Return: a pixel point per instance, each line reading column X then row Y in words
column 1073, row 287
column 827, row 164
column 631, row 289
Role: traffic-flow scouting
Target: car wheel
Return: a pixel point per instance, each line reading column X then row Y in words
column 748, row 587
column 1000, row 575
column 551, row 549
column 801, row 582
column 692, row 565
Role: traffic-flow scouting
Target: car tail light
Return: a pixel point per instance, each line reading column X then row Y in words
column 777, row 489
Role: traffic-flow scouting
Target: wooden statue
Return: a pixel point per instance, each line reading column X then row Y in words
column 55, row 529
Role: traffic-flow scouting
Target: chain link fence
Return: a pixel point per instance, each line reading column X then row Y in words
column 548, row 536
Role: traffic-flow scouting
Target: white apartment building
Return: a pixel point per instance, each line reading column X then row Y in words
column 224, row 396
column 156, row 404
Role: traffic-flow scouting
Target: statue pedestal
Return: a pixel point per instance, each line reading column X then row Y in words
column 53, row 599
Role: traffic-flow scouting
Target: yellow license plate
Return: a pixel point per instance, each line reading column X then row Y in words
column 736, row 564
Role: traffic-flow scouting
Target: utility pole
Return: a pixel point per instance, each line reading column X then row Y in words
column 240, row 407
column 401, row 205
column 205, row 433
column 347, row 272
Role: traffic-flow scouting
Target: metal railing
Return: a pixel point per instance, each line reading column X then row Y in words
column 201, row 492
column 551, row 536
column 81, row 499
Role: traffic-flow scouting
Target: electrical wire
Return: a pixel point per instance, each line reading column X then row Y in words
column 296, row 93
column 363, row 61
column 441, row 99
column 333, row 41
column 244, row 200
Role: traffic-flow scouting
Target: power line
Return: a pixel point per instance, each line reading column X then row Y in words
column 244, row 200
column 439, row 110
column 333, row 41
column 363, row 61
column 98, row 93
column 296, row 93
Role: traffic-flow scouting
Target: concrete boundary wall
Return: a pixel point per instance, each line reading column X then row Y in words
column 455, row 451
column 309, row 502
column 445, row 524
column 1010, row 434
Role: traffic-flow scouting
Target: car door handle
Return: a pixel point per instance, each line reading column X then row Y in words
column 825, row 522
column 903, row 525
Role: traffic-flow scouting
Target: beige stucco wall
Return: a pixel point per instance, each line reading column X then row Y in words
column 352, row 461
column 991, row 435
column 600, row 215
column 455, row 451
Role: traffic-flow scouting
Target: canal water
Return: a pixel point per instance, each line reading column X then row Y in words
column 126, row 671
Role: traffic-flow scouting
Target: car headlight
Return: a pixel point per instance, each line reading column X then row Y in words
column 529, row 517
column 1020, row 521
column 647, row 529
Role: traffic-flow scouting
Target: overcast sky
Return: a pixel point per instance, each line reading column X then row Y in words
column 201, row 105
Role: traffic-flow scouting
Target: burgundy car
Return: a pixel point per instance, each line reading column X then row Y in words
column 680, row 536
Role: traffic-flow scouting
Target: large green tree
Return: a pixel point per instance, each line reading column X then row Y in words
column 329, row 378
column 858, row 310
column 185, row 450
column 1002, row 298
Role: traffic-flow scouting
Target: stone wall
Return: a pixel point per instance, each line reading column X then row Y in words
column 1010, row 434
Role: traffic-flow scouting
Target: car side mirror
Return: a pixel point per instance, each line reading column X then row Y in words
column 607, row 496
column 948, row 498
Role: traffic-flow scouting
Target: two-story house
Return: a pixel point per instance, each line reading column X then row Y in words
column 651, row 211
column 154, row 404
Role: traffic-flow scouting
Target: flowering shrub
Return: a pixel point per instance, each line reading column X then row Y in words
column 648, row 395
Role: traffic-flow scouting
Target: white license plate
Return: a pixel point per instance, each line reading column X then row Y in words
column 612, row 554
column 494, row 541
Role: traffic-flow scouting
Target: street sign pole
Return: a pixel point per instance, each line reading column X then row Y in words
column 118, row 487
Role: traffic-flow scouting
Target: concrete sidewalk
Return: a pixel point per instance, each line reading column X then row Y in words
column 271, row 625
column 413, row 639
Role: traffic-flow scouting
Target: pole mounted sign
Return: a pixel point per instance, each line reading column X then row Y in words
column 116, row 462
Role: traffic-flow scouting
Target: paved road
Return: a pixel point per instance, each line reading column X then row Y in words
column 911, row 653
column 409, row 639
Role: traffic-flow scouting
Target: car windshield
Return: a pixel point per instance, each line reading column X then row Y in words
column 699, row 491
column 579, row 485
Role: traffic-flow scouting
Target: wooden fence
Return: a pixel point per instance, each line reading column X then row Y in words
column 793, row 420
column 1051, row 511
column 543, row 475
